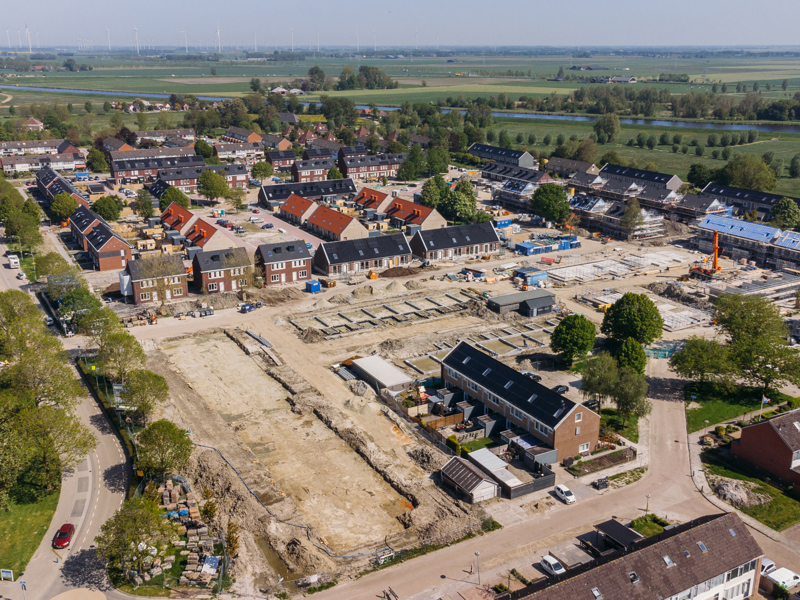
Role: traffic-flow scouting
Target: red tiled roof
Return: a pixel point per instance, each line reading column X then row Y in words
column 296, row 205
column 369, row 198
column 330, row 220
column 410, row 212
column 201, row 232
column 176, row 216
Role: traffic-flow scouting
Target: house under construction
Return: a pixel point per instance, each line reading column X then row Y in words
column 607, row 216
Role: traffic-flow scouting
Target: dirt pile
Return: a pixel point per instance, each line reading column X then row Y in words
column 321, row 304
column 390, row 345
column 739, row 494
column 364, row 292
column 476, row 308
column 414, row 284
column 678, row 293
column 359, row 387
column 427, row 458
column 676, row 228
column 312, row 336
column 399, row 272
column 218, row 301
column 339, row 299
column 396, row 288
column 273, row 297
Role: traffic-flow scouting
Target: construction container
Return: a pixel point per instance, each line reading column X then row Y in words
column 328, row 283
column 313, row 286
column 547, row 260
column 525, row 248
column 501, row 223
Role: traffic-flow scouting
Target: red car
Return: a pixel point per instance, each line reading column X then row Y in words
column 64, row 536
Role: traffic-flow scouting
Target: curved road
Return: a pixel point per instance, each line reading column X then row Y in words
column 89, row 496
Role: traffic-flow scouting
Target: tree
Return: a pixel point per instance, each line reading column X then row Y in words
column 749, row 172
column 232, row 538
column 632, row 217
column 164, row 447
column 12, row 458
column 651, row 141
column 236, row 196
column 262, row 170
column 607, row 124
column 115, row 121
column 25, row 227
column 137, row 522
column 459, row 206
column 413, row 165
column 699, row 150
column 203, row 148
column 599, row 378
column 631, row 355
column 794, row 167
column 633, row 316
column 96, row 323
column 255, row 84
column 504, row 141
column 587, row 151
column 630, row 395
column 664, row 140
column 39, row 372
column 701, row 360
column 550, row 202
column 212, row 186
column 143, row 205
column 335, row 173
column 438, row 160
column 573, row 337
column 143, row 391
column 700, row 175
column 57, row 438
column 430, row 195
column 316, row 78
column 119, row 354
column 173, row 194
column 757, row 344
column 612, row 157
column 88, row 106
column 108, row 207
column 546, row 141
column 560, row 139
column 106, row 106
column 52, row 263
column 76, row 302
column 785, row 84
column 786, row 213
column 63, row 205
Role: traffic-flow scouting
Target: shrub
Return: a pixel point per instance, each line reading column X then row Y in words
column 675, row 148
column 741, row 423
column 719, row 430
column 500, row 588
column 731, row 429
column 793, row 403
column 520, row 577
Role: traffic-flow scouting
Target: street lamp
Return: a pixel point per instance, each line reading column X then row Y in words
column 478, row 559
column 647, row 510
column 706, row 426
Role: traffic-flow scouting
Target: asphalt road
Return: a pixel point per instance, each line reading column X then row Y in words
column 89, row 496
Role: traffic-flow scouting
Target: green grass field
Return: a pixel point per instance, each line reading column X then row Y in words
column 718, row 405
column 22, row 529
column 610, row 418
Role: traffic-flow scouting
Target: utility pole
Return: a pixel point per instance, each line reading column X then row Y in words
column 19, row 40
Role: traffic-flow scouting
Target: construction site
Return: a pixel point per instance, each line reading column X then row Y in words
column 270, row 392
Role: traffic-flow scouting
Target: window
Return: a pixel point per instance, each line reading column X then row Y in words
column 668, row 561
column 702, row 547
column 275, row 278
column 303, row 274
column 486, row 372
column 578, row 417
column 242, row 282
column 472, row 386
column 212, row 287
column 144, row 296
column 177, row 291
column 451, row 373
column 583, row 448
column 577, row 431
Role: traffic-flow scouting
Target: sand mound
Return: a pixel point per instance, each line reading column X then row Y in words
column 312, row 336
column 396, row 287
column 427, row 458
column 321, row 304
column 339, row 299
column 273, row 297
column 364, row 291
column 390, row 345
column 414, row 284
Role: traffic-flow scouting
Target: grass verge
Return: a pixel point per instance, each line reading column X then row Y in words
column 22, row 529
column 611, row 419
column 778, row 514
column 718, row 404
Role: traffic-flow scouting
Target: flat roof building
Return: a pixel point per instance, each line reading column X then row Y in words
column 381, row 374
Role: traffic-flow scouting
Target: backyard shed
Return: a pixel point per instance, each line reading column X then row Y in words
column 530, row 303
column 378, row 372
column 469, row 480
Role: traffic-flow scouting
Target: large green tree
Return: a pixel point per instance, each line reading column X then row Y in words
column 630, row 395
column 143, row 391
column 413, row 166
column 550, row 202
column 63, row 206
column 599, row 378
column 262, row 170
column 12, row 457
column 631, row 355
column 607, row 124
column 212, row 186
column 749, row 172
column 430, row 193
column 173, row 194
column 786, row 213
column 164, row 447
column 96, row 161
column 334, row 173
column 633, row 316
column 573, row 337
column 108, row 207
column 119, row 354
column 701, row 359
column 143, row 205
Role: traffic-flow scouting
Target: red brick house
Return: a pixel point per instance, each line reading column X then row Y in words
column 359, row 256
column 334, row 225
column 249, row 151
column 143, row 279
column 297, row 209
column 404, row 212
column 772, row 445
column 160, row 136
column 281, row 160
column 312, row 170
column 371, row 167
column 112, row 144
column 306, row 137
column 142, row 153
column 368, row 198
column 185, row 180
column 145, row 170
column 178, row 218
column 107, row 249
column 286, row 262
column 221, row 271
column 276, row 142
column 81, row 223
column 237, row 135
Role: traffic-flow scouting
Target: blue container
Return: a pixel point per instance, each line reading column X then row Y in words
column 313, row 286
column 575, row 245
column 500, row 223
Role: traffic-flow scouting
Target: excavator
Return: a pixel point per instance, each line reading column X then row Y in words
column 705, row 272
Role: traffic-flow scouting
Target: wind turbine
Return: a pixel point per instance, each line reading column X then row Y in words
column 8, row 37
column 219, row 40
column 255, row 43
column 28, row 35
column 317, row 40
column 19, row 40
column 108, row 35
column 374, row 41
column 358, row 41
column 416, row 40
column 136, row 35
column 185, row 41
column 37, row 40
column 292, row 30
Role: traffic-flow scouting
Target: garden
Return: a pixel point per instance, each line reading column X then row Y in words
column 709, row 403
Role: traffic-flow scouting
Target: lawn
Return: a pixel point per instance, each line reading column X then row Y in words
column 610, row 418
column 782, row 512
column 718, row 404
column 649, row 525
column 478, row 444
column 22, row 528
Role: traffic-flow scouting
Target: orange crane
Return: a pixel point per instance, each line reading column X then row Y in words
column 706, row 273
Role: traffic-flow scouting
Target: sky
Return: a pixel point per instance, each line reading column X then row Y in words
column 394, row 24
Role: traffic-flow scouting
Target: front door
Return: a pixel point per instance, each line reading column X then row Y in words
column 221, row 286
column 283, row 277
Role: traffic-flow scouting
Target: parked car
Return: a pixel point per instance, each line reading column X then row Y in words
column 564, row 493
column 309, row 246
column 281, row 230
column 256, row 220
column 178, row 315
column 246, row 308
column 560, row 389
column 267, row 226
column 64, row 536
column 767, row 566
column 190, row 313
column 222, row 222
column 552, row 566
column 255, row 183
column 21, row 275
column 532, row 375
column 48, row 321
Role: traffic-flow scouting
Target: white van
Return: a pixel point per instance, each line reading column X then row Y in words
column 13, row 261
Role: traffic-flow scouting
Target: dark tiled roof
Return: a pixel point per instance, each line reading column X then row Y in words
column 274, row 155
column 174, row 162
column 458, row 236
column 153, row 133
column 578, row 166
column 787, row 426
column 653, row 193
column 158, row 188
column 318, row 153
column 320, row 143
column 522, row 392
column 347, row 151
column 101, row 235
column 465, row 475
column 504, row 153
column 113, row 143
column 25, row 144
column 640, row 174
column 131, row 155
column 287, row 117
column 690, row 565
column 83, row 218
column 512, row 172
column 195, row 172
column 310, row 189
column 238, row 132
column 741, row 195
column 697, row 202
column 257, row 146
column 164, row 265
column 315, row 164
column 371, row 248
column 585, row 179
column 272, row 253
column 368, row 161
column 221, row 259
